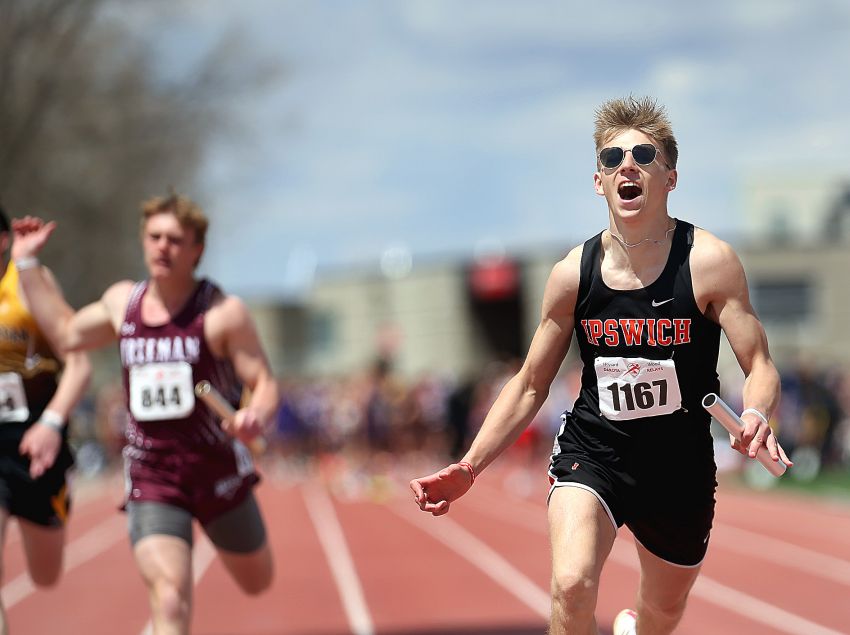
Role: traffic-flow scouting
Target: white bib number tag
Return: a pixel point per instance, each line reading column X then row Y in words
column 634, row 387
column 13, row 398
column 161, row 391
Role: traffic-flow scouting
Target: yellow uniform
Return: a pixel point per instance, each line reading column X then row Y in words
column 27, row 365
column 28, row 379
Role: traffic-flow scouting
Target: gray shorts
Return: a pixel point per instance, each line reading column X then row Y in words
column 239, row 530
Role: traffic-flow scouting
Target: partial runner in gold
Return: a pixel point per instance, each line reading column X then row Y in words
column 36, row 398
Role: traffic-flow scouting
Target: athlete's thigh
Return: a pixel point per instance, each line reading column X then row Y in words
column 162, row 542
column 251, row 571
column 43, row 547
column 663, row 583
column 239, row 536
column 581, row 532
column 240, row 529
column 162, row 558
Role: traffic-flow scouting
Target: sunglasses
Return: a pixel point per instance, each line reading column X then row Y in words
column 642, row 153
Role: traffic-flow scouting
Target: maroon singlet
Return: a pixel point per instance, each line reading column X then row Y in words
column 176, row 451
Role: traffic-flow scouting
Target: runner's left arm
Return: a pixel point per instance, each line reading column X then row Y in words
column 243, row 348
column 721, row 284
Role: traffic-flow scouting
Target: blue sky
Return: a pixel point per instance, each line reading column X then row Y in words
column 435, row 127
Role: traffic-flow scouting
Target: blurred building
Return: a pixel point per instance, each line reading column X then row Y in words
column 453, row 315
column 797, row 256
column 790, row 209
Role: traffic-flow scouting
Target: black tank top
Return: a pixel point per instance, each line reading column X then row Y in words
column 623, row 333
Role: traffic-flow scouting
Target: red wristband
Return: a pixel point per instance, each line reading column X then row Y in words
column 468, row 467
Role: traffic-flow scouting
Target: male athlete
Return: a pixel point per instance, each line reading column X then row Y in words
column 647, row 299
column 174, row 330
column 34, row 411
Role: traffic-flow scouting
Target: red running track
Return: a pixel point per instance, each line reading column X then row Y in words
column 364, row 560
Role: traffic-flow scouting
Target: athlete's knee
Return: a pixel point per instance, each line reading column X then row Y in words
column 257, row 585
column 46, row 577
column 171, row 601
column 260, row 579
column 669, row 608
column 574, row 590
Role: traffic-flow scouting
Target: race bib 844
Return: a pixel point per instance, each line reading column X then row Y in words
column 161, row 391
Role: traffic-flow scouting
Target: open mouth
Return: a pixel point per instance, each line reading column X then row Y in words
column 629, row 190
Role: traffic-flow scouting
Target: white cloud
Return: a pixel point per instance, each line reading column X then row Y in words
column 433, row 122
column 769, row 14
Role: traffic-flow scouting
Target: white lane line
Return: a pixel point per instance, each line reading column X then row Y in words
column 778, row 551
column 202, row 557
column 80, row 551
column 485, row 558
column 708, row 589
column 753, row 544
column 757, row 610
column 734, row 600
column 332, row 539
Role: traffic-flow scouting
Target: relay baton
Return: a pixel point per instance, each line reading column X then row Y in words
column 205, row 391
column 718, row 409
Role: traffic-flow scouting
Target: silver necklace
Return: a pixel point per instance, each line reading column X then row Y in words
column 645, row 240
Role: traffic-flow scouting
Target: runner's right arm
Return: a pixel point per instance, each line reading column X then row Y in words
column 92, row 326
column 525, row 393
column 43, row 442
column 520, row 399
column 76, row 370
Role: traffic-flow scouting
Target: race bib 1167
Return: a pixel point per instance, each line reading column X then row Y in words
column 634, row 387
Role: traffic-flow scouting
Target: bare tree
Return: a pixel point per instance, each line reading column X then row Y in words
column 88, row 129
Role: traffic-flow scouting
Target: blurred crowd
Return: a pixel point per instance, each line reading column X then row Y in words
column 813, row 419
column 376, row 422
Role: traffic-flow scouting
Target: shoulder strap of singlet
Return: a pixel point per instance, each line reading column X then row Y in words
column 687, row 243
column 588, row 270
column 135, row 300
column 198, row 302
column 206, row 291
column 680, row 248
column 683, row 240
column 9, row 280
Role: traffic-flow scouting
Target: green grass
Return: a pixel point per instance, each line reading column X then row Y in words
column 832, row 483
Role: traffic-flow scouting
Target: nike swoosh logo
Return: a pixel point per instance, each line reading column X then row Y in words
column 654, row 303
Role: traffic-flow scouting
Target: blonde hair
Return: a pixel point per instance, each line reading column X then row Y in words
column 643, row 114
column 187, row 212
